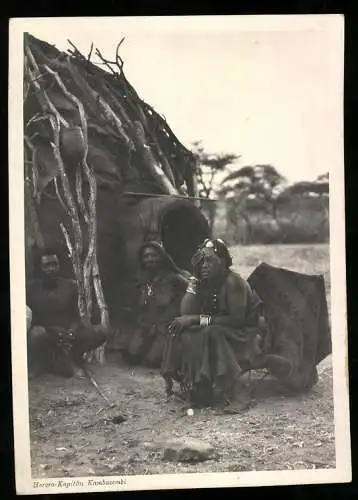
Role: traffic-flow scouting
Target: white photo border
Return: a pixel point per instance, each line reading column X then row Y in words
column 25, row 484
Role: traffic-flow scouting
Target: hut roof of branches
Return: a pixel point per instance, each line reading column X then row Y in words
column 129, row 143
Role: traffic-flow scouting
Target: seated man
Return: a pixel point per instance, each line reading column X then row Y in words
column 155, row 302
column 57, row 337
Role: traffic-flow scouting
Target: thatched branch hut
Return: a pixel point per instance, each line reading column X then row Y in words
column 145, row 177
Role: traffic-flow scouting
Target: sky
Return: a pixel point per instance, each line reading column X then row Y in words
column 271, row 94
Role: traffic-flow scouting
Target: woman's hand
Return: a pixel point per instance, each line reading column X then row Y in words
column 181, row 323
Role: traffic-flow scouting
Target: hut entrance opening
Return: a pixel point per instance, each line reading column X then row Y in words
column 183, row 228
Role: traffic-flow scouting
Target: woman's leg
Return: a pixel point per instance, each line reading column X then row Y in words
column 189, row 359
column 199, row 365
column 155, row 352
column 231, row 347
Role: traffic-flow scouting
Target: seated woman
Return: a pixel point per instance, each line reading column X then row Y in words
column 276, row 320
column 221, row 327
column 155, row 302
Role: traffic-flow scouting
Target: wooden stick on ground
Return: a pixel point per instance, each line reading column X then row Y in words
column 96, row 386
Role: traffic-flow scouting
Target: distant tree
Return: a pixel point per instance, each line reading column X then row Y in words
column 209, row 166
column 251, row 189
column 306, row 189
column 260, row 181
column 323, row 177
column 308, row 197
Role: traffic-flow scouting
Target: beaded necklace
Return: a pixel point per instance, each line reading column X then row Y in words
column 210, row 297
column 148, row 292
column 210, row 302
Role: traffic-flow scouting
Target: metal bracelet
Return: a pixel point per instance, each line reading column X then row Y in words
column 191, row 289
column 192, row 286
column 204, row 320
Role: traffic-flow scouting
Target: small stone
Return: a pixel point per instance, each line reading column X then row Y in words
column 190, row 412
column 112, row 467
column 184, row 450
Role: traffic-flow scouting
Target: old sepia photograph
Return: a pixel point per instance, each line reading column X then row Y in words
column 178, row 294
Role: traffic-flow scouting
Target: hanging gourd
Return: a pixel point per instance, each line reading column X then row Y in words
column 73, row 147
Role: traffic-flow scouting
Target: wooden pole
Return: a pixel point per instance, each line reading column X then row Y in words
column 76, row 227
column 154, row 195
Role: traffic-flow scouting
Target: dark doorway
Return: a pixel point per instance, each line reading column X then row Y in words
column 183, row 228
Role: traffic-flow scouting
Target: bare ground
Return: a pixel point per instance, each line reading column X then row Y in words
column 73, row 435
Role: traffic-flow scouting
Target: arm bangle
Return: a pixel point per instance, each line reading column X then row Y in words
column 191, row 289
column 193, row 286
column 204, row 320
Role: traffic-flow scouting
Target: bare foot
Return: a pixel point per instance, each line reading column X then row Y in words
column 237, row 407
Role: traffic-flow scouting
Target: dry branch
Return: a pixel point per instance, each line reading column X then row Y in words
column 79, row 195
column 77, row 53
column 141, row 116
column 90, row 267
column 34, row 169
column 90, row 53
column 29, row 197
column 106, row 63
column 99, row 107
column 113, row 118
column 89, row 96
column 44, row 100
column 34, row 219
column 150, row 162
column 87, row 267
column 99, row 293
column 92, row 234
column 76, row 227
column 119, row 61
column 67, row 239
column 59, row 196
column 96, row 386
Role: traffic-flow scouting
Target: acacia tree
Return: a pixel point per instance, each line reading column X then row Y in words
column 311, row 195
column 306, row 189
column 209, row 167
column 251, row 188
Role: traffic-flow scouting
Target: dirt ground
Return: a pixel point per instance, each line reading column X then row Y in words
column 73, row 435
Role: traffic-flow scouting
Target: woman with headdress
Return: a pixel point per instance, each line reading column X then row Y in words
column 154, row 303
column 276, row 320
column 221, row 325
